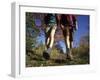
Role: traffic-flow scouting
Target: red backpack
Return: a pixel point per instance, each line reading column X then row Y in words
column 72, row 20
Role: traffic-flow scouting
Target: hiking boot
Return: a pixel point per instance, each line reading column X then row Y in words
column 46, row 54
column 69, row 56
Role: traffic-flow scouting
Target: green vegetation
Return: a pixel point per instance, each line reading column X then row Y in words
column 31, row 31
column 34, row 57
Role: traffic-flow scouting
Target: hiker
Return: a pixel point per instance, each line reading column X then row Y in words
column 68, row 24
column 50, row 23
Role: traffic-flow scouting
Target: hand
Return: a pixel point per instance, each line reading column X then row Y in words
column 76, row 26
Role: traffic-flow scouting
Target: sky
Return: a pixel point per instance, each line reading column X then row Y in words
column 83, row 29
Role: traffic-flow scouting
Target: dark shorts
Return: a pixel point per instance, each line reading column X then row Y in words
column 64, row 21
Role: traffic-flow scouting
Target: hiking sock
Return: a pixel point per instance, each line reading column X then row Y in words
column 48, row 50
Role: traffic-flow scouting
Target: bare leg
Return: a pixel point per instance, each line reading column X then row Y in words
column 69, row 45
column 68, row 42
column 49, row 42
column 69, row 49
column 52, row 36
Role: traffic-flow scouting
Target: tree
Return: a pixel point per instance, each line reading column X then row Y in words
column 31, row 31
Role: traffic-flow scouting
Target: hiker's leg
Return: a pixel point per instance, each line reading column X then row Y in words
column 67, row 39
column 52, row 36
column 71, row 44
column 68, row 42
column 65, row 36
column 71, row 38
column 47, row 41
column 47, row 37
column 50, row 41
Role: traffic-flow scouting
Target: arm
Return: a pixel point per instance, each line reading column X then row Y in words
column 76, row 25
column 75, row 22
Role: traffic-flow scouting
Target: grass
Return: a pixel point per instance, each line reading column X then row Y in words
column 34, row 58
